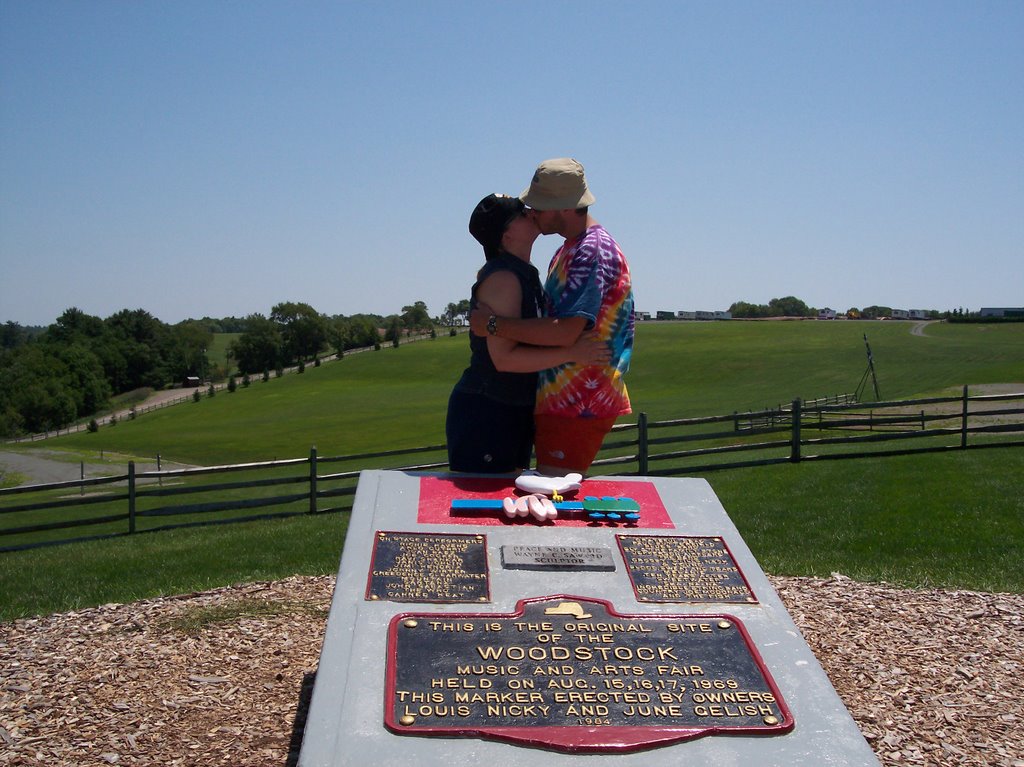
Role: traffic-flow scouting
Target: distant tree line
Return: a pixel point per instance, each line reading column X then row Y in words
column 73, row 367
column 295, row 333
column 790, row 306
column 51, row 377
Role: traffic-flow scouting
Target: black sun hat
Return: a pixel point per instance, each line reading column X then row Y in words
column 490, row 218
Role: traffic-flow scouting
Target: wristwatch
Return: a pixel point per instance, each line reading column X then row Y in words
column 492, row 325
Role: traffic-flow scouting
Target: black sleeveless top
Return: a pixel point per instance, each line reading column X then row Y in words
column 481, row 377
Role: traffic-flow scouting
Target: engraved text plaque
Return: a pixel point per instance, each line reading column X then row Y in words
column 570, row 674
column 428, row 567
column 670, row 568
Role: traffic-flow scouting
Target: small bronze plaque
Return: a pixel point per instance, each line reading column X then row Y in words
column 570, row 674
column 669, row 568
column 428, row 567
column 596, row 558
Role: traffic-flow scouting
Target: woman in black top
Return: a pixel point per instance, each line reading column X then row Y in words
column 490, row 412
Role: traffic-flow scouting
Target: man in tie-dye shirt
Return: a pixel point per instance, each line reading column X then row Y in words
column 588, row 288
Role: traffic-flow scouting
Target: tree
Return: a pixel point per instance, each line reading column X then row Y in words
column 259, row 347
column 34, row 395
column 415, row 317
column 790, row 306
column 74, row 323
column 455, row 314
column 394, row 332
column 12, row 335
column 875, row 312
column 338, row 333
column 743, row 310
column 303, row 330
column 150, row 352
column 363, row 331
column 83, row 378
column 193, row 338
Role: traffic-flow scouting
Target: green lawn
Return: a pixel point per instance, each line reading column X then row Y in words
column 396, row 398
column 217, row 354
column 125, row 569
column 952, row 520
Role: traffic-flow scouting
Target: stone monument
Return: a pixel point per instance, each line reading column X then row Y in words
column 459, row 636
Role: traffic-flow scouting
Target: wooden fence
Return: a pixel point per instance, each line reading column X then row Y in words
column 145, row 501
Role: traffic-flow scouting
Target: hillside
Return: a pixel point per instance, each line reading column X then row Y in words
column 396, row 398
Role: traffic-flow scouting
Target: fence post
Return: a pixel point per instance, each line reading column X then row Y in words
column 794, row 454
column 312, row 480
column 642, row 447
column 963, row 423
column 131, row 497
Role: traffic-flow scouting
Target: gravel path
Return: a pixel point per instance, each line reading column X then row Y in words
column 40, row 466
column 223, row 677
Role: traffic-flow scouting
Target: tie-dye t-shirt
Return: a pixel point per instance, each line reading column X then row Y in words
column 589, row 278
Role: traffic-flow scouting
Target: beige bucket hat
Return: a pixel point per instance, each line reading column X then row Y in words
column 558, row 185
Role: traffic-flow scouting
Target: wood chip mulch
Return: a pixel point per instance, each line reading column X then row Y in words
column 224, row 677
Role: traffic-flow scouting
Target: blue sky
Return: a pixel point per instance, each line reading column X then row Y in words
column 216, row 158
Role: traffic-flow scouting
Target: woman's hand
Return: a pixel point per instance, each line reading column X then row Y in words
column 590, row 350
column 478, row 319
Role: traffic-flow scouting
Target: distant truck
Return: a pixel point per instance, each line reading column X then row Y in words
column 826, row 314
column 191, row 382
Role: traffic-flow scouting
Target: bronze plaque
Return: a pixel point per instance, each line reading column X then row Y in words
column 428, row 567
column 571, row 674
column 670, row 568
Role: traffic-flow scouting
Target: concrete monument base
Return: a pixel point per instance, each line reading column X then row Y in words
column 460, row 637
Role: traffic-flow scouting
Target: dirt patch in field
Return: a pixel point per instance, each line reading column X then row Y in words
column 224, row 677
column 981, row 413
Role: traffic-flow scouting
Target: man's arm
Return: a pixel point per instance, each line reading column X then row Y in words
column 501, row 293
column 537, row 331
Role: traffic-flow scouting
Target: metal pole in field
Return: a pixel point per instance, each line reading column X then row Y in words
column 871, row 367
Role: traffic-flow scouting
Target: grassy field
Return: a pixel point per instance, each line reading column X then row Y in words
column 940, row 520
column 954, row 520
column 396, row 398
column 217, row 354
column 123, row 570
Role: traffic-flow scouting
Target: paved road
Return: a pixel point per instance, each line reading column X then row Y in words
column 34, row 469
column 40, row 466
column 37, row 467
